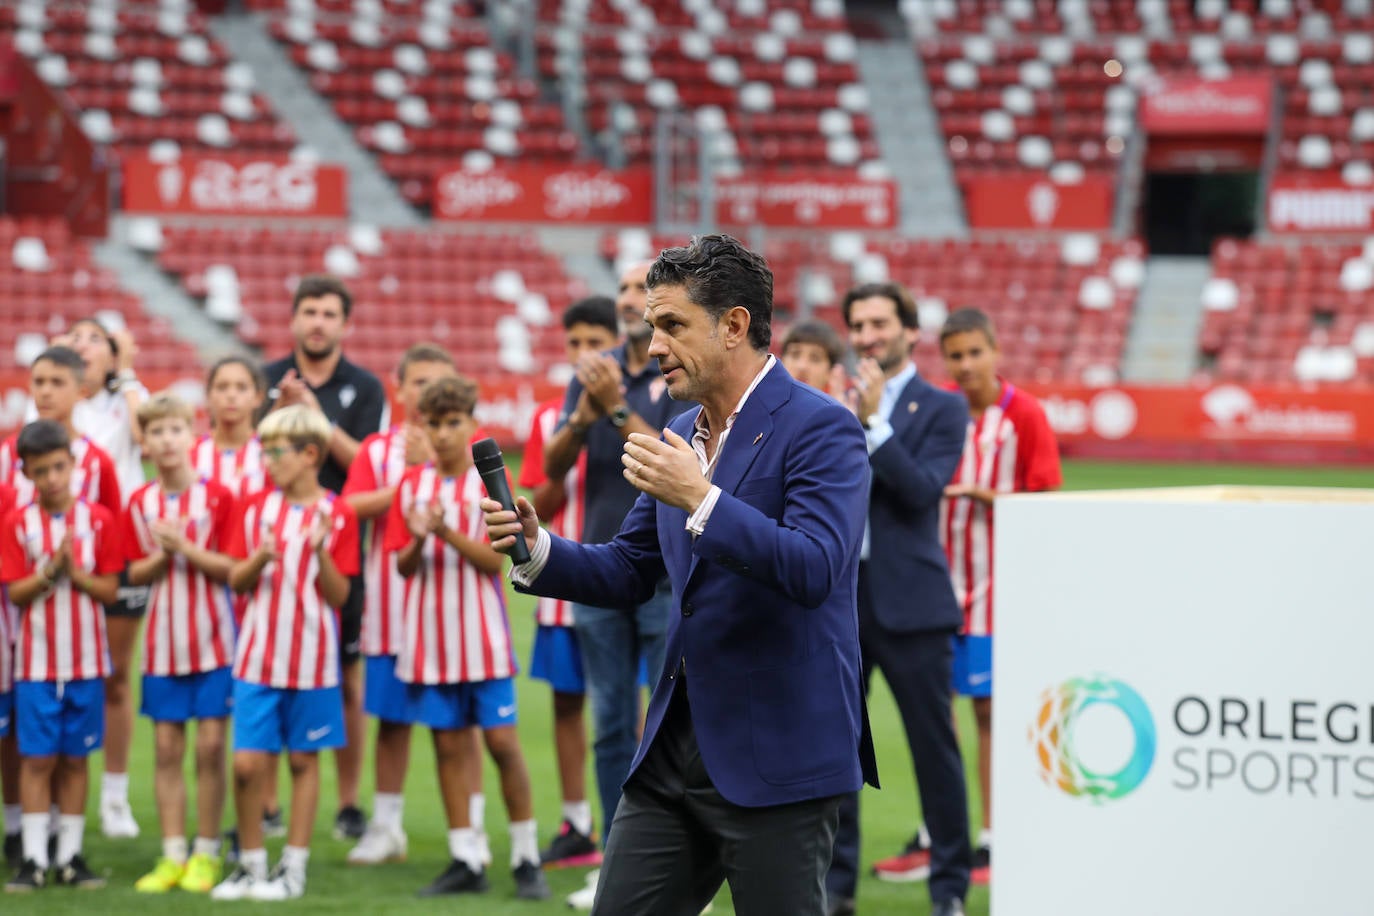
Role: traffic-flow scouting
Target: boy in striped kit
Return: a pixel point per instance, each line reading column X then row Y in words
column 174, row 537
column 1010, row 448
column 589, row 326
column 455, row 649
column 370, row 489
column 60, row 557
column 296, row 547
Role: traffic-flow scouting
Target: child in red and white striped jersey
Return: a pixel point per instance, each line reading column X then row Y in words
column 231, row 454
column 176, row 529
column 455, row 650
column 60, row 557
column 370, row 489
column 297, row 545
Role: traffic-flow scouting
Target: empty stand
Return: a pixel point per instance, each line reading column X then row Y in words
column 48, row 280
column 490, row 299
column 143, row 72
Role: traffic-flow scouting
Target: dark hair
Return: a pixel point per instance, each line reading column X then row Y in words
column 422, row 353
column 254, row 372
column 110, row 377
column 65, row 357
column 718, row 273
column 314, row 286
column 906, row 306
column 963, row 321
column 454, row 394
column 42, row 437
column 593, row 310
column 820, row 333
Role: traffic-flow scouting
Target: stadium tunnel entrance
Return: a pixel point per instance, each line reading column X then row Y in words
column 1183, row 212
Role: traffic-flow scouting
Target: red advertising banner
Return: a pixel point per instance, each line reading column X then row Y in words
column 532, row 193
column 831, row 202
column 1264, row 424
column 234, row 186
column 1236, row 105
column 1319, row 202
column 1035, row 202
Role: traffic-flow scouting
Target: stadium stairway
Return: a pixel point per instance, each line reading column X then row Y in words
column 1162, row 344
column 908, row 133
column 581, row 258
column 163, row 297
column 309, row 114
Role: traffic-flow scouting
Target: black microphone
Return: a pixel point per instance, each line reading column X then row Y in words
column 486, row 454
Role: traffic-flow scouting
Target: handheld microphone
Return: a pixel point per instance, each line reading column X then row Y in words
column 486, row 455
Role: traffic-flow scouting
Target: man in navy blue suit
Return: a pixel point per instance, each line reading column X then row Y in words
column 907, row 608
column 754, row 506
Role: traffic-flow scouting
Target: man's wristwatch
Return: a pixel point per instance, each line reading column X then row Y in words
column 620, row 416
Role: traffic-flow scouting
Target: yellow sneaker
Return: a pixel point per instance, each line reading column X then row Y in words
column 202, row 873
column 161, row 879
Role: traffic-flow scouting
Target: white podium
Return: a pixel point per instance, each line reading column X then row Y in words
column 1184, row 714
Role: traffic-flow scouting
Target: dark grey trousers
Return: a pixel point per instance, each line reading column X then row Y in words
column 675, row 840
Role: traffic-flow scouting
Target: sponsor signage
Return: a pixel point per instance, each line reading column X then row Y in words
column 1195, row 106
column 234, row 186
column 1166, row 701
column 1320, row 202
column 1035, row 202
column 806, row 201
column 532, row 193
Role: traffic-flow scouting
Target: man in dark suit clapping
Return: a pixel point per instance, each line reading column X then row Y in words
column 907, row 608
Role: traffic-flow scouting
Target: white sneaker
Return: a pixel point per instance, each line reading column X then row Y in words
column 281, row 884
column 584, row 898
column 238, row 886
column 484, row 848
column 117, row 821
column 379, row 844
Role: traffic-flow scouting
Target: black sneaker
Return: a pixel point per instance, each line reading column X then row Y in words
column 274, row 825
column 27, row 877
column 570, row 849
column 14, row 851
column 350, row 824
column 77, row 874
column 530, row 883
column 458, row 878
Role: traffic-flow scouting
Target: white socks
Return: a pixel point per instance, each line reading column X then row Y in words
column 70, row 829
column 206, row 847
column 294, row 859
column 524, row 843
column 254, row 861
column 114, row 787
column 387, row 809
column 477, row 811
column 579, row 814
column 35, row 830
column 463, row 847
column 174, row 848
column 12, row 815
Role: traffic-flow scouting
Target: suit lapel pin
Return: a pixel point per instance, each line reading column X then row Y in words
column 911, row 407
column 758, row 438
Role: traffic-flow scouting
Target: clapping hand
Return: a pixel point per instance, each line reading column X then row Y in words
column 600, row 376
column 424, row 520
column 418, row 449
column 319, row 529
column 170, row 535
column 294, row 390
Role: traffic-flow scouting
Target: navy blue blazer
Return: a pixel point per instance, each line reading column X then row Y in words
column 765, row 620
column 908, row 575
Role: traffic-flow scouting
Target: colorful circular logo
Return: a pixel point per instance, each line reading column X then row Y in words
column 1059, row 733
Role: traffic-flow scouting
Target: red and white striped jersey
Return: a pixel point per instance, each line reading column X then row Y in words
column 61, row 634
column 454, row 626
column 290, row 636
column 93, row 474
column 567, row 521
column 241, row 471
column 9, row 614
column 381, row 462
column 189, row 629
column 1009, row 449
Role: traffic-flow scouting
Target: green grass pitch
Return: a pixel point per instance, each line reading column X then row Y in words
column 889, row 817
